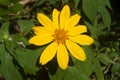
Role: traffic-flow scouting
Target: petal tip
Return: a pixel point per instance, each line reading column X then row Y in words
column 41, row 62
column 38, row 15
column 64, row 67
column 83, row 59
column 92, row 41
column 30, row 41
column 66, row 6
column 55, row 10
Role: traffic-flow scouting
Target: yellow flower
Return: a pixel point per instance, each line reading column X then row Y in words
column 63, row 34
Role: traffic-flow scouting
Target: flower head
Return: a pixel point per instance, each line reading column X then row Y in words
column 63, row 34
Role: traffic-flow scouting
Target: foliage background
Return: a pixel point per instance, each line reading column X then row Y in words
column 19, row 59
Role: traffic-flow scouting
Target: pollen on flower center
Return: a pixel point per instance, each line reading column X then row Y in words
column 60, row 35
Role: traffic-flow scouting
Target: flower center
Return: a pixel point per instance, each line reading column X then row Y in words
column 60, row 35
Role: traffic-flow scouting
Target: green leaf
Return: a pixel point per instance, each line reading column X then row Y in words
column 53, row 2
column 84, row 67
column 92, row 29
column 1, row 50
column 27, row 59
column 76, row 73
column 104, row 59
column 104, row 3
column 98, row 70
column 113, row 54
column 38, row 3
column 71, row 73
column 80, row 71
column 16, row 7
column 20, row 39
column 4, row 31
column 10, row 46
column 5, row 28
column 90, row 8
column 7, row 67
column 116, row 68
column 95, row 65
column 105, row 16
column 76, row 3
column 59, row 75
column 25, row 25
column 104, row 12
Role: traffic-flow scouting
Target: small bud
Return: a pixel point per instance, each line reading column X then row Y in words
column 5, row 36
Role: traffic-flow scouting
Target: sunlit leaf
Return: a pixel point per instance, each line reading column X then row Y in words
column 4, row 31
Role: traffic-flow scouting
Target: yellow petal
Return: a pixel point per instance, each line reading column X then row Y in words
column 64, row 16
column 76, row 50
column 55, row 16
column 72, row 21
column 62, row 56
column 82, row 39
column 77, row 30
column 45, row 21
column 38, row 29
column 48, row 54
column 41, row 39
